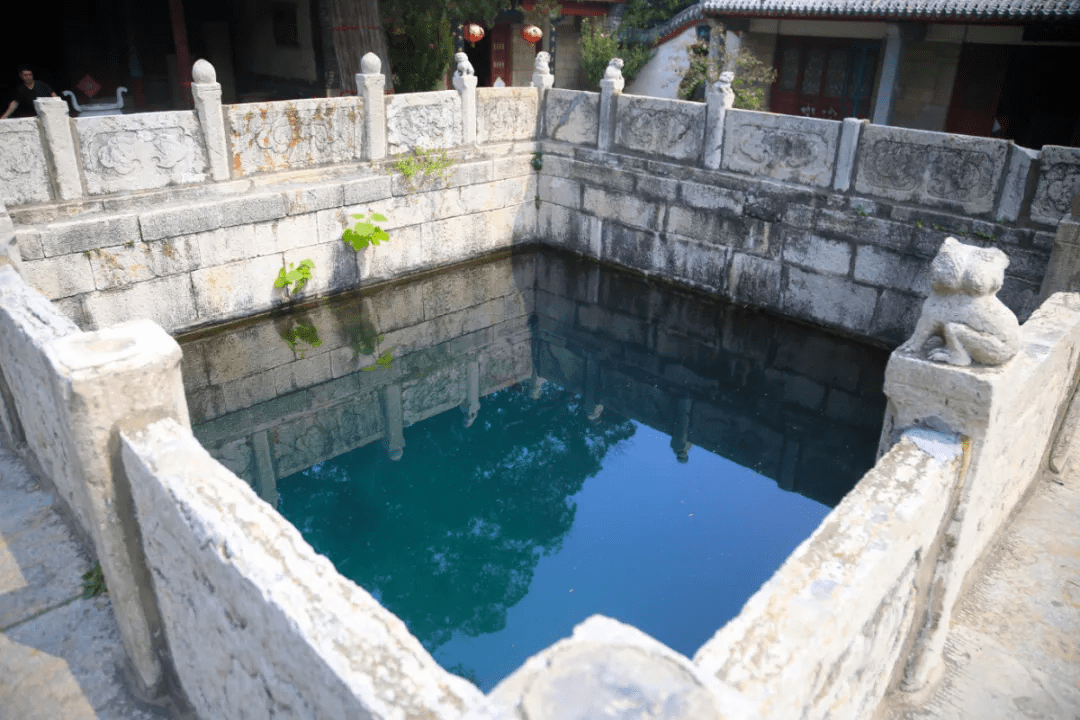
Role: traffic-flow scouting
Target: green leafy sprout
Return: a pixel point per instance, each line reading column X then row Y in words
column 93, row 582
column 365, row 232
column 296, row 276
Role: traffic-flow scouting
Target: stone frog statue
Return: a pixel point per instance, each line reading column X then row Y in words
column 464, row 67
column 614, row 69
column 542, row 66
column 963, row 321
column 723, row 86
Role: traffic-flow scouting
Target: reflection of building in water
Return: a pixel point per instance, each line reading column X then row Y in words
column 798, row 406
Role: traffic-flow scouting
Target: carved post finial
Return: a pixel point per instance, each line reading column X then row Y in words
column 203, row 73
column 370, row 64
column 465, row 83
column 963, row 321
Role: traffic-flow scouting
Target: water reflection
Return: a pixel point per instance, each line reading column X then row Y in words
column 448, row 537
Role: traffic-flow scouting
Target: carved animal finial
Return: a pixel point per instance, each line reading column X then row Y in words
column 614, row 69
column 723, row 85
column 963, row 321
column 370, row 64
column 202, row 73
column 464, row 67
column 543, row 66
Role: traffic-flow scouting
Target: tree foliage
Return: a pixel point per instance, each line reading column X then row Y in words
column 599, row 45
column 752, row 76
column 421, row 47
column 645, row 14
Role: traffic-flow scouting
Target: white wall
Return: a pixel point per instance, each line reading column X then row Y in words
column 661, row 76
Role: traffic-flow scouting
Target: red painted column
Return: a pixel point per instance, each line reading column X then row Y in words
column 183, row 55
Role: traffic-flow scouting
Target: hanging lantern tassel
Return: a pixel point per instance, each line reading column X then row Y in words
column 474, row 33
column 531, row 34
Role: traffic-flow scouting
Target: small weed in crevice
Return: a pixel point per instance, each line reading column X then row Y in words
column 538, row 161
column 93, row 582
column 424, row 165
column 860, row 211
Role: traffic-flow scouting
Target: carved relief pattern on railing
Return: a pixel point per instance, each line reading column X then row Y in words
column 24, row 174
column 958, row 175
column 930, row 167
column 139, row 152
column 660, row 128
column 506, row 116
column 782, row 147
column 1058, row 184
column 423, row 120
column 572, row 116
column 296, row 134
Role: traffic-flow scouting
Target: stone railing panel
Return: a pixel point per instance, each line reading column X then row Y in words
column 1059, row 183
column 258, row 623
column 141, row 152
column 24, row 171
column 572, row 116
column 956, row 172
column 294, row 134
column 423, row 120
column 504, row 114
column 782, row 147
column 671, row 128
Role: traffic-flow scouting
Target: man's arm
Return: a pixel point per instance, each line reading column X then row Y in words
column 10, row 109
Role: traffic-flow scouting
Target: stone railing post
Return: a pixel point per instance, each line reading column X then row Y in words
column 466, row 87
column 60, row 145
column 611, row 86
column 105, row 382
column 1063, row 270
column 206, row 91
column 543, row 81
column 718, row 99
column 845, row 154
column 371, row 85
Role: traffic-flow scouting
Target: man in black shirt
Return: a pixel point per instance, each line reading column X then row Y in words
column 26, row 93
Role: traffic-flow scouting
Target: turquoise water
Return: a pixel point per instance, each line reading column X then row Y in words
column 491, row 542
column 500, row 451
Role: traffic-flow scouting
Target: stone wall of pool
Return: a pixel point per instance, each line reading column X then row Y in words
column 187, row 217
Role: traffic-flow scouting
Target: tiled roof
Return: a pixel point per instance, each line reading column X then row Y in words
column 969, row 10
column 910, row 9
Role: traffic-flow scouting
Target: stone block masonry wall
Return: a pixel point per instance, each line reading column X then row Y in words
column 833, row 223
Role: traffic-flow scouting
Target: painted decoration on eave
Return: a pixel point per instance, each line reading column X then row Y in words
column 474, row 33
column 531, row 34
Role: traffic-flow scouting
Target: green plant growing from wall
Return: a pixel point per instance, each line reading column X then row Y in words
column 752, row 76
column 599, row 45
column 302, row 332
column 424, row 166
column 538, row 161
column 382, row 362
column 296, row 276
column 93, row 582
column 365, row 232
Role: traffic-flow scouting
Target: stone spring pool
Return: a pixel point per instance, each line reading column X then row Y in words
column 504, row 448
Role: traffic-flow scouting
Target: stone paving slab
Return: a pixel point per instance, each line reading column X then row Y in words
column 1014, row 649
column 60, row 655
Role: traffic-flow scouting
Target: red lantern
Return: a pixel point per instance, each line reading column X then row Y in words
column 474, row 33
column 531, row 34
